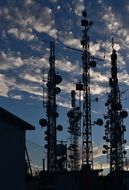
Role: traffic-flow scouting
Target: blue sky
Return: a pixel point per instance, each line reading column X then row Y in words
column 26, row 24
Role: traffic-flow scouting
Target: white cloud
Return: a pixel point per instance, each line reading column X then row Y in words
column 124, row 77
column 18, row 62
column 31, row 78
column 97, row 152
column 79, row 8
column 67, row 38
column 99, row 77
column 112, row 22
column 28, row 1
column 54, row 1
column 31, row 73
column 8, row 61
column 63, row 103
column 101, row 166
column 45, row 23
column 73, row 43
column 23, row 21
column 21, row 34
column 35, row 90
column 66, row 65
column 97, row 89
column 18, row 97
column 94, row 48
column 3, row 86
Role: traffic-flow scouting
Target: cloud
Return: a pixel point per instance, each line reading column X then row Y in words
column 67, row 66
column 97, row 89
column 36, row 167
column 19, row 71
column 31, row 78
column 4, row 90
column 67, row 38
column 99, row 77
column 21, row 21
column 26, row 72
column 103, row 166
column 97, row 152
column 21, row 34
column 8, row 61
column 45, row 23
column 124, row 77
column 18, row 97
column 79, row 7
column 112, row 23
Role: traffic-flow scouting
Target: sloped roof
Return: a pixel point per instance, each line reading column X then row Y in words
column 7, row 116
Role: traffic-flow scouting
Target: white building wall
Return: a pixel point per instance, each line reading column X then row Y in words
column 12, row 156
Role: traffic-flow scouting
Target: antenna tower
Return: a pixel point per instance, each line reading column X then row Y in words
column 114, row 128
column 51, row 132
column 74, row 115
column 87, row 152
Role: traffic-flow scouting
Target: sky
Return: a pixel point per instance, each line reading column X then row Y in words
column 26, row 28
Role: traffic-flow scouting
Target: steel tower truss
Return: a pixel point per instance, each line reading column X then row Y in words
column 114, row 128
column 74, row 115
column 51, row 112
column 87, row 153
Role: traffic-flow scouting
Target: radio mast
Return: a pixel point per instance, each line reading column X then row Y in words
column 87, row 152
column 74, row 115
column 51, row 107
column 114, row 128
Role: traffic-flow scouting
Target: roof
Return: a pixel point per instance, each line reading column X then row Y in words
column 14, row 119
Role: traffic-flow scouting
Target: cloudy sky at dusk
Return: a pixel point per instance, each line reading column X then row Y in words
column 26, row 28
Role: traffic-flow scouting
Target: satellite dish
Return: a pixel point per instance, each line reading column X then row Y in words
column 43, row 122
column 73, row 146
column 92, row 63
column 105, row 116
column 123, row 127
column 124, row 152
column 69, row 147
column 46, row 146
column 105, row 146
column 70, row 114
column 107, row 122
column 104, row 151
column 57, row 90
column 118, row 106
column 106, row 104
column 56, row 114
column 46, row 132
column 77, row 108
column 96, row 99
column 124, row 114
column 49, row 85
column 91, row 23
column 71, row 157
column 99, row 122
column 107, row 140
column 59, row 127
column 106, row 126
column 57, row 79
column 61, row 149
column 46, row 138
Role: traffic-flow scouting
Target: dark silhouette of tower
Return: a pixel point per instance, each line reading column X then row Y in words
column 114, row 128
column 74, row 116
column 51, row 107
column 87, row 152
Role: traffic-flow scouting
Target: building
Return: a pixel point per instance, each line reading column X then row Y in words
column 12, row 151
